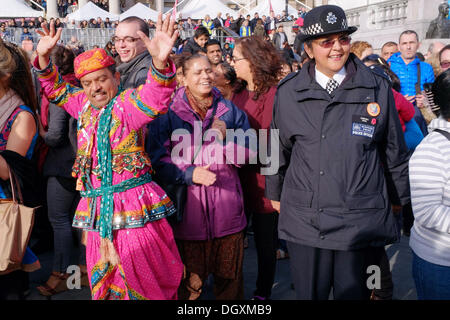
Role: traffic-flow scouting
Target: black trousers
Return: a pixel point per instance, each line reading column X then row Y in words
column 408, row 218
column 62, row 204
column 265, row 229
column 316, row 271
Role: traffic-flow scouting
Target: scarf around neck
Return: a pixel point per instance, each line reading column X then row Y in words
column 199, row 106
column 8, row 103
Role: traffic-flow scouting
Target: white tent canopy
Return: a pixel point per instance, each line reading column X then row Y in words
column 18, row 9
column 278, row 6
column 91, row 11
column 198, row 9
column 140, row 10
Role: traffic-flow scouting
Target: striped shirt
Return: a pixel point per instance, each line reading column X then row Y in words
column 429, row 175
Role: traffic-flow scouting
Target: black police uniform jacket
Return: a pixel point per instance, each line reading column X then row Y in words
column 342, row 160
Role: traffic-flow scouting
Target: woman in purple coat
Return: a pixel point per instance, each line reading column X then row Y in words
column 184, row 151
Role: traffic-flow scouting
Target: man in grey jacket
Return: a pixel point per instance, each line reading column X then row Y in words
column 280, row 38
column 132, row 52
column 342, row 162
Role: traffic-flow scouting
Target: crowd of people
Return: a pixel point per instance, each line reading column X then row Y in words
column 145, row 148
column 268, row 23
column 269, row 27
column 65, row 5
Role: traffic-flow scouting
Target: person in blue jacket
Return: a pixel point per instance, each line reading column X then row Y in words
column 448, row 15
column 405, row 64
column 26, row 35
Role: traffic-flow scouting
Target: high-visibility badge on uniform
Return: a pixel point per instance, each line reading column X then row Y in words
column 373, row 109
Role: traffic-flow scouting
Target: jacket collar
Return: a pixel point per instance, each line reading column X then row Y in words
column 194, row 44
column 358, row 76
column 125, row 67
column 180, row 106
column 397, row 58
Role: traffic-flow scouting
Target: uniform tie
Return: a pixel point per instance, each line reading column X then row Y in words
column 332, row 85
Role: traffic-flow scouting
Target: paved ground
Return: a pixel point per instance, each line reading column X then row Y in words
column 399, row 254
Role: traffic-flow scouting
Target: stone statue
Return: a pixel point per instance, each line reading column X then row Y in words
column 440, row 27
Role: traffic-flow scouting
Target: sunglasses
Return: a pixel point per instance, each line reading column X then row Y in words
column 329, row 43
column 445, row 64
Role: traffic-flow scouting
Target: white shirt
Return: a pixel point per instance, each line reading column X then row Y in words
column 272, row 24
column 283, row 39
column 323, row 79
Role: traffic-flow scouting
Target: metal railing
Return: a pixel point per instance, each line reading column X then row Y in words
column 91, row 37
column 303, row 5
column 36, row 4
column 224, row 34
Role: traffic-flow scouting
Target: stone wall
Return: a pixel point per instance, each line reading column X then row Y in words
column 384, row 21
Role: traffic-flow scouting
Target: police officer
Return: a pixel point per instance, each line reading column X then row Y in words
column 342, row 162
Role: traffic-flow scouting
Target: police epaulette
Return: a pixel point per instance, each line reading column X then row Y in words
column 287, row 78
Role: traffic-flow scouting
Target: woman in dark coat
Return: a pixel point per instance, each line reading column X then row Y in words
column 257, row 63
column 58, row 129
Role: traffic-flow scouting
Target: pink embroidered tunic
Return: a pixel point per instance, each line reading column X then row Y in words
column 150, row 264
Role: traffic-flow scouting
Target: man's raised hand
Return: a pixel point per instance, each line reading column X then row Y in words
column 49, row 39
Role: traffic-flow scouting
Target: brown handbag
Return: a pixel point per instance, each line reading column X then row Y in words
column 16, row 223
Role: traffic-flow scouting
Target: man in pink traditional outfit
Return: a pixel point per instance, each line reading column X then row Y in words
column 130, row 250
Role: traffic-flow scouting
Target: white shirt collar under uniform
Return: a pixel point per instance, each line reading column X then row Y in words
column 323, row 79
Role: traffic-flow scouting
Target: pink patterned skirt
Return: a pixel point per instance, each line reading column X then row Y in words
column 150, row 265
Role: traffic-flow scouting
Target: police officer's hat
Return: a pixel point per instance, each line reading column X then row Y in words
column 325, row 20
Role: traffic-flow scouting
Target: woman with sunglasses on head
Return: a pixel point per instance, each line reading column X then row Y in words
column 18, row 135
column 258, row 64
column 340, row 145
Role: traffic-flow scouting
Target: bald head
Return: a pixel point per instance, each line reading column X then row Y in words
column 434, row 49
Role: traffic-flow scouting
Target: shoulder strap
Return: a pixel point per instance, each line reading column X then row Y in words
column 444, row 133
column 15, row 186
column 418, row 89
